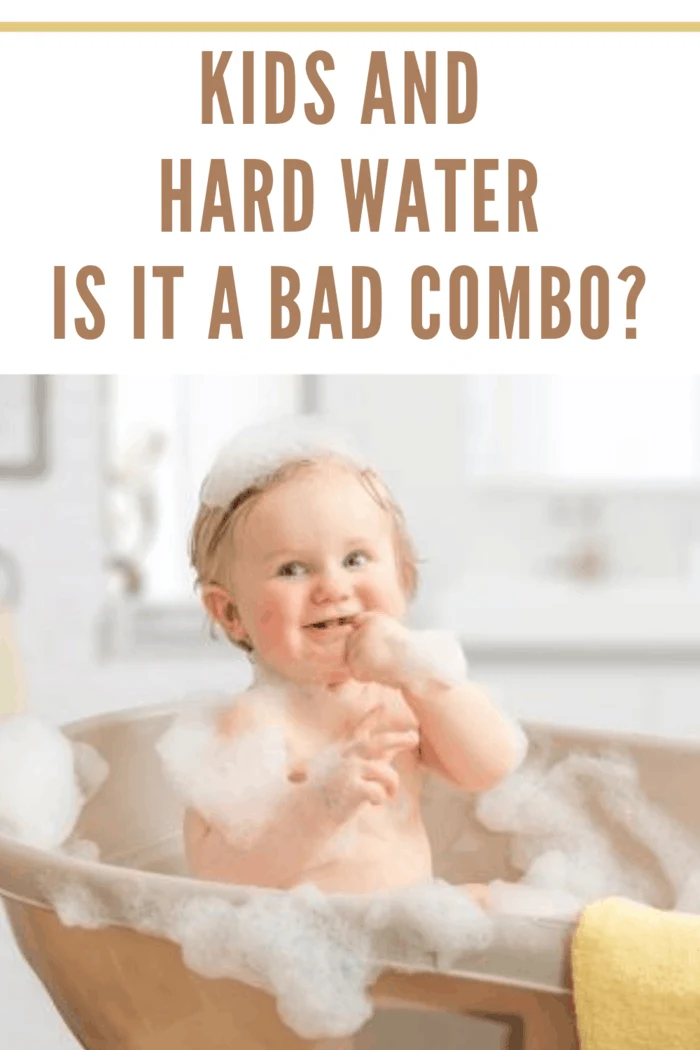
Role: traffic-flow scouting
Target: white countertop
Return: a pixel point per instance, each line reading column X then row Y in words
column 493, row 614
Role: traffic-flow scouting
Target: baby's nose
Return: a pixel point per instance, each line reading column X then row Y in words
column 331, row 585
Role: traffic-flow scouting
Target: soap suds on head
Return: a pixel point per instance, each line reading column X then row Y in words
column 257, row 452
column 45, row 781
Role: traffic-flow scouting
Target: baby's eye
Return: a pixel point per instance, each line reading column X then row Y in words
column 291, row 568
column 355, row 559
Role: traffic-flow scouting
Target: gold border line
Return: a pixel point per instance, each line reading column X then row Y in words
column 349, row 27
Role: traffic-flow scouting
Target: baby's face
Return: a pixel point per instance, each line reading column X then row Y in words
column 311, row 552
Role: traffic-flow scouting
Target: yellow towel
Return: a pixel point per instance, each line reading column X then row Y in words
column 636, row 974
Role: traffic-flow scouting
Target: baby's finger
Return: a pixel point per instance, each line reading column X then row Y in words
column 369, row 745
column 383, row 774
column 368, row 723
column 390, row 743
column 389, row 756
column 373, row 792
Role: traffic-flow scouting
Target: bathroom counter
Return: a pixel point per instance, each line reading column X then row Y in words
column 647, row 618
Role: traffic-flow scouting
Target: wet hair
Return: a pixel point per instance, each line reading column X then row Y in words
column 211, row 537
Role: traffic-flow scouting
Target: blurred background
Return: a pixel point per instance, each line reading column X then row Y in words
column 558, row 519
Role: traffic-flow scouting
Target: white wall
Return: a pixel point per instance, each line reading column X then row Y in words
column 415, row 429
column 411, row 427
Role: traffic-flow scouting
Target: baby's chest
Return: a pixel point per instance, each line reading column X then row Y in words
column 383, row 714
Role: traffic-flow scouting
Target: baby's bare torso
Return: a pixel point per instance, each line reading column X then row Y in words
column 376, row 847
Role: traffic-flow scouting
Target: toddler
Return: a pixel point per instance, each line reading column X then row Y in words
column 303, row 558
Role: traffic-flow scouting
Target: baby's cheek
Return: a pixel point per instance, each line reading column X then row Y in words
column 271, row 625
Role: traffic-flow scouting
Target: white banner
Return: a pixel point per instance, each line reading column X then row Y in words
column 350, row 199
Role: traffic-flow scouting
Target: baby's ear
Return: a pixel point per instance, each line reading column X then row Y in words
column 222, row 608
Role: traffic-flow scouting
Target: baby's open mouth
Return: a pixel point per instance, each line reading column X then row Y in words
column 339, row 621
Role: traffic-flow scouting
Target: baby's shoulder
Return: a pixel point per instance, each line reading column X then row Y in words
column 248, row 712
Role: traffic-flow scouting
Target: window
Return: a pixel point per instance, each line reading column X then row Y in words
column 163, row 432
column 618, row 431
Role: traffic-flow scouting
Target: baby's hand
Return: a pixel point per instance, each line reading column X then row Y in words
column 361, row 770
column 379, row 649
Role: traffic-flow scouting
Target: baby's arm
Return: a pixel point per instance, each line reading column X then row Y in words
column 301, row 814
column 464, row 737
